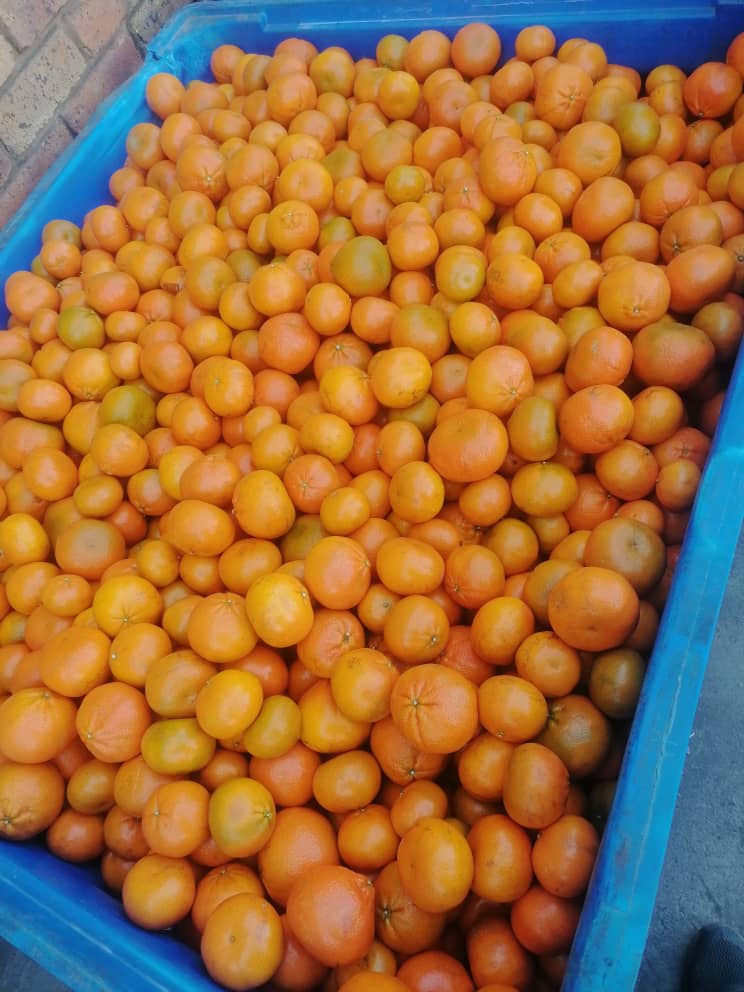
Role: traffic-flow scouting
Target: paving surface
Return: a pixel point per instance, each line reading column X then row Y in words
column 703, row 874
column 19, row 974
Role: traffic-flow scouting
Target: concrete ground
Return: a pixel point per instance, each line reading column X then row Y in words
column 19, row 974
column 703, row 877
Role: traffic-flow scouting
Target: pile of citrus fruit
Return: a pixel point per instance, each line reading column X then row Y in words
column 345, row 461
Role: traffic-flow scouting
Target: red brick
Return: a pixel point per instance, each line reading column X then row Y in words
column 44, row 82
column 7, row 59
column 6, row 166
column 151, row 15
column 25, row 20
column 37, row 162
column 95, row 23
column 12, row 196
column 120, row 60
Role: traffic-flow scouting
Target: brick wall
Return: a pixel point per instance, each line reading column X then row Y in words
column 58, row 60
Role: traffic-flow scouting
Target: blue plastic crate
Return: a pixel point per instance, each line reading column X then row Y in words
column 61, row 915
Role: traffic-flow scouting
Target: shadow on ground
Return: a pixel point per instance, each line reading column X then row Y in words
column 703, row 872
column 19, row 974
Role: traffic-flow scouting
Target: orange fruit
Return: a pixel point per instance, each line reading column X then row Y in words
column 346, row 936
column 435, row 865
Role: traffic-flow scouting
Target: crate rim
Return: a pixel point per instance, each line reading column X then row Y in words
column 619, row 906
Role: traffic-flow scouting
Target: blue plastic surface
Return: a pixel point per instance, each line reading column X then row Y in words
column 60, row 915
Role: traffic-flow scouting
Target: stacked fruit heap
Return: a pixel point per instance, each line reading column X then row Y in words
column 345, row 463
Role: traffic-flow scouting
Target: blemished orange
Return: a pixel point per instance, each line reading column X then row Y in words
column 232, row 954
